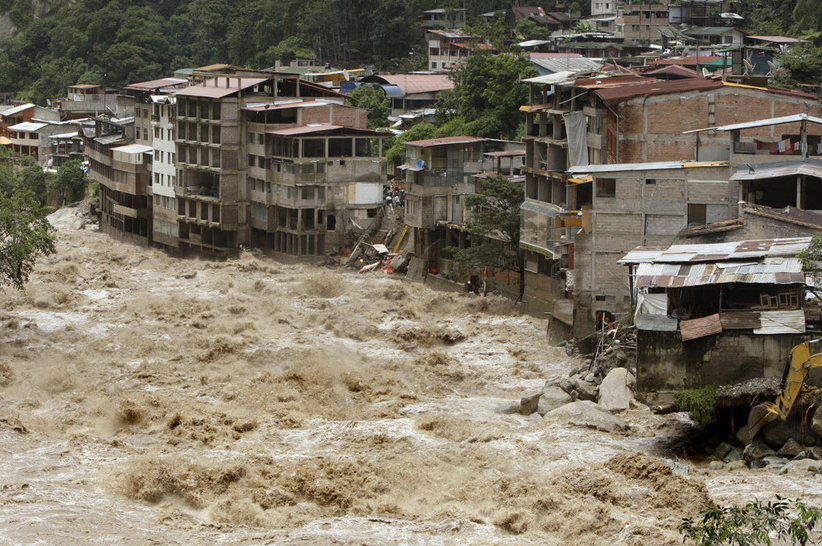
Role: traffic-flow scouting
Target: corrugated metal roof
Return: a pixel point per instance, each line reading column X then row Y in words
column 807, row 167
column 217, row 88
column 17, row 109
column 443, row 141
column 660, row 165
column 760, row 123
column 613, row 95
column 567, row 63
column 719, row 252
column 781, row 322
column 27, row 126
column 769, row 271
column 565, row 77
column 63, row 136
column 284, row 105
column 133, row 149
column 157, row 84
column 778, row 39
column 411, row 84
column 110, row 139
column 323, row 128
column 675, row 70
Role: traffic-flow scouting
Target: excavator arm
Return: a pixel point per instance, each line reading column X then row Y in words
column 803, row 358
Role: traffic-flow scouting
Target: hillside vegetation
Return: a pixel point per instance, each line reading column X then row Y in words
column 55, row 43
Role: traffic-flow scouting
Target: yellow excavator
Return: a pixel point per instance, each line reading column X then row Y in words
column 803, row 358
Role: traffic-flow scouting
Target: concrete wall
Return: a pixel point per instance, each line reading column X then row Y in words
column 666, row 363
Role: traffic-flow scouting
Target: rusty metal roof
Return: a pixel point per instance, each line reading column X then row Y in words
column 768, row 271
column 624, row 93
column 720, row 252
column 443, row 141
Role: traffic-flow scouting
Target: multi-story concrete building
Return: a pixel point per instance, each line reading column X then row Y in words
column 448, row 49
column 641, row 23
column 441, row 18
column 576, row 125
column 163, row 115
column 314, row 169
column 124, row 171
column 439, row 174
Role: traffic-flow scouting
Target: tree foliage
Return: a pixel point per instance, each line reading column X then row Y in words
column 69, row 181
column 804, row 64
column 782, row 521
column 24, row 237
column 116, row 42
column 374, row 101
column 494, row 227
column 487, row 95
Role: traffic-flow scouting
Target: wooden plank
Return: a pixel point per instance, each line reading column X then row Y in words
column 740, row 320
column 701, row 327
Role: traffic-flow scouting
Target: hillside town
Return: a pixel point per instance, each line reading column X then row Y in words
column 643, row 187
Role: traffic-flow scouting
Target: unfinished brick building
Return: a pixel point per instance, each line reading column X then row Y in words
column 576, row 125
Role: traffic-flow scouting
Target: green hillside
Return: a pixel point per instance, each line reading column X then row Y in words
column 51, row 44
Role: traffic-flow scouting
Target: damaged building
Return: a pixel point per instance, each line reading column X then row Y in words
column 716, row 314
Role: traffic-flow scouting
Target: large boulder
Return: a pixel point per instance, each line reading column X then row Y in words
column 816, row 421
column 552, row 398
column 800, row 467
column 615, row 391
column 529, row 404
column 584, row 413
column 790, row 449
column 585, row 389
column 777, row 432
column 757, row 451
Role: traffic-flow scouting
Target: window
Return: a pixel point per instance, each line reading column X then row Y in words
column 606, row 187
column 635, row 28
column 697, row 214
column 650, row 181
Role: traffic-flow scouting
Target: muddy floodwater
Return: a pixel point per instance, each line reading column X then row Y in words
column 153, row 400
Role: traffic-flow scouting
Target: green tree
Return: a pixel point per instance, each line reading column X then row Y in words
column 24, row 237
column 804, row 64
column 494, row 228
column 32, row 179
column 374, row 101
column 782, row 521
column 69, row 181
column 488, row 93
column 530, row 30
